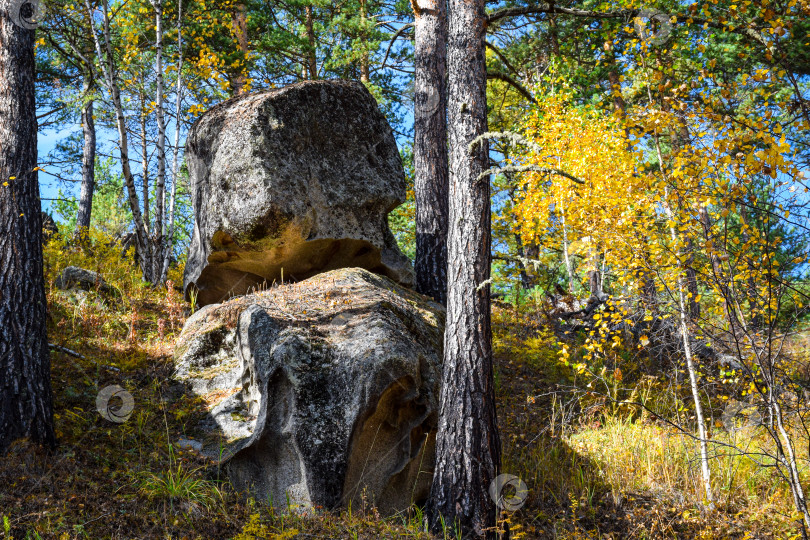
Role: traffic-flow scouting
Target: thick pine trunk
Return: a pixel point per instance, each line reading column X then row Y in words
column 26, row 403
column 467, row 442
column 430, row 148
column 88, row 163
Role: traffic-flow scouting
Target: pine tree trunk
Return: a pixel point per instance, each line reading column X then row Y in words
column 526, row 254
column 26, row 403
column 365, row 61
column 88, row 163
column 430, row 148
column 467, row 444
column 240, row 30
column 619, row 105
column 312, row 65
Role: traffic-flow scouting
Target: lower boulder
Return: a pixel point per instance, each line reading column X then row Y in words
column 320, row 393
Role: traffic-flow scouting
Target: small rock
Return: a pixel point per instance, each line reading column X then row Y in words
column 189, row 444
column 74, row 277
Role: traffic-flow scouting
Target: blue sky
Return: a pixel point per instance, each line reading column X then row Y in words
column 48, row 185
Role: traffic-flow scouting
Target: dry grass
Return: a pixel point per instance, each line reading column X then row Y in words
column 595, row 470
column 594, row 475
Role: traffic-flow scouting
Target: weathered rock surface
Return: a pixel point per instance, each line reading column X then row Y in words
column 74, row 277
column 289, row 183
column 324, row 390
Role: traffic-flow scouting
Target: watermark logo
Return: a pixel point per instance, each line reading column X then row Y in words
column 26, row 14
column 653, row 26
column 739, row 417
column 110, row 410
column 508, row 492
column 429, row 99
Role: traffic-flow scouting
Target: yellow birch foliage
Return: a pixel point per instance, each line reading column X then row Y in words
column 603, row 219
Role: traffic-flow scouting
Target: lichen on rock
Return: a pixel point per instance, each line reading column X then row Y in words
column 324, row 391
column 289, row 183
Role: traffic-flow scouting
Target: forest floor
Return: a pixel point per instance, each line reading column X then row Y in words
column 605, row 474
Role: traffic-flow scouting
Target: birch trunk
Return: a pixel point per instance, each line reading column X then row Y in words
column 158, row 231
column 167, row 255
column 145, row 166
column 569, row 268
column 683, row 318
column 110, row 73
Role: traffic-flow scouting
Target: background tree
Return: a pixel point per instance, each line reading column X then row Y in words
column 136, row 65
column 68, row 45
column 430, row 148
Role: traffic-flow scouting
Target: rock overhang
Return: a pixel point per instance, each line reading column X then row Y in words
column 289, row 183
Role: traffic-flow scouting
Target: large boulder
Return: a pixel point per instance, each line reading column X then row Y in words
column 324, row 392
column 291, row 182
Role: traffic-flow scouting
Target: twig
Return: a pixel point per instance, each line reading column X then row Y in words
column 398, row 33
column 500, row 76
column 529, row 168
column 66, row 351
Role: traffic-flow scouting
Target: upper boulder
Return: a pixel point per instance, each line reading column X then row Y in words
column 289, row 183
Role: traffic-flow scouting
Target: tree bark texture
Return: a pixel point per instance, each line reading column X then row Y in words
column 88, row 161
column 467, row 444
column 26, row 402
column 430, row 148
column 160, row 179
